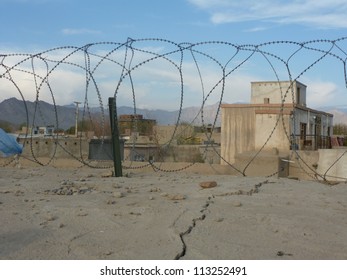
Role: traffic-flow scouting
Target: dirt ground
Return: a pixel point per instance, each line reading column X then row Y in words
column 69, row 211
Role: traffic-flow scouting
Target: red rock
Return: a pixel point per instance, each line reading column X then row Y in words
column 208, row 184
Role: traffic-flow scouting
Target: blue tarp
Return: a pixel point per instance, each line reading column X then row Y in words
column 8, row 145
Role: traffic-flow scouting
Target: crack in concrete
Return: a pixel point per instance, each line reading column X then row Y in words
column 73, row 239
column 252, row 191
column 190, row 228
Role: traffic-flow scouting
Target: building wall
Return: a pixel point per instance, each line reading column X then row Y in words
column 276, row 92
column 272, row 130
column 238, row 131
column 309, row 116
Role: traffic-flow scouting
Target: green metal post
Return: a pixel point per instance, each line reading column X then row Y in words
column 117, row 161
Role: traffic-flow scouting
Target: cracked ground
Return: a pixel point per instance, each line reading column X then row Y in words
column 50, row 213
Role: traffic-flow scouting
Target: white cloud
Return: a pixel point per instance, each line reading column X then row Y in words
column 256, row 29
column 157, row 83
column 315, row 13
column 76, row 31
column 321, row 93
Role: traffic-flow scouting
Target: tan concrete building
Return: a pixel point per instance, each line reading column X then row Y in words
column 276, row 119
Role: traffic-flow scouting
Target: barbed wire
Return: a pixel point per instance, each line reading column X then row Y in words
column 117, row 67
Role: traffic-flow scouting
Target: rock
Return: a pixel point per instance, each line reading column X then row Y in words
column 107, row 174
column 155, row 190
column 67, row 183
column 118, row 194
column 176, row 197
column 116, row 186
column 237, row 204
column 208, row 184
column 50, row 217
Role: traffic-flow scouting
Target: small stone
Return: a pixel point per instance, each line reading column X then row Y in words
column 208, row 184
column 118, row 194
column 151, row 198
column 176, row 197
column 18, row 193
column 237, row 204
column 107, row 174
column 61, row 225
column 82, row 214
column 219, row 220
column 50, row 218
column 116, row 186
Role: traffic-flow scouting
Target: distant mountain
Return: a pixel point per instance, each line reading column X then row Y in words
column 339, row 112
column 18, row 112
column 14, row 111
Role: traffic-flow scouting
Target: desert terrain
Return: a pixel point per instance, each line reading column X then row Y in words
column 70, row 211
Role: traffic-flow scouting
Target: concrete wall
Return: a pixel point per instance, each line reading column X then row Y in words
column 192, row 153
column 238, row 132
column 266, row 163
column 303, row 164
column 277, row 91
column 326, row 164
column 274, row 126
column 58, row 148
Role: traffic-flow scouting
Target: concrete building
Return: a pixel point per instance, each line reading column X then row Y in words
column 129, row 124
column 277, row 119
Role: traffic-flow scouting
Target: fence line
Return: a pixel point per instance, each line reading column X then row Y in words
column 121, row 69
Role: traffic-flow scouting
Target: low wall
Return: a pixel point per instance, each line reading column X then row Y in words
column 57, row 148
column 328, row 165
column 266, row 163
column 303, row 164
column 193, row 153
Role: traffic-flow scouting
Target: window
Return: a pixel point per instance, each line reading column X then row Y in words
column 297, row 95
column 303, row 127
column 266, row 100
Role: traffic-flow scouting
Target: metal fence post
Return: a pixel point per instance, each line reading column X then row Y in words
column 117, row 161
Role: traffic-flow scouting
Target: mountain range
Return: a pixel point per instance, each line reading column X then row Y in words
column 14, row 112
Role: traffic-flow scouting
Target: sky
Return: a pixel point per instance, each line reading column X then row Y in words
column 35, row 26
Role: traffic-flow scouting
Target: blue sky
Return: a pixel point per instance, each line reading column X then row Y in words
column 32, row 26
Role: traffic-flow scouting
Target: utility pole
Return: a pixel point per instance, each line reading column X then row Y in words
column 117, row 161
column 76, row 124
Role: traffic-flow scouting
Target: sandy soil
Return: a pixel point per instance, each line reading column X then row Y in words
column 79, row 212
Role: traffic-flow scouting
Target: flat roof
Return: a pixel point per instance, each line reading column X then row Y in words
column 276, row 106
